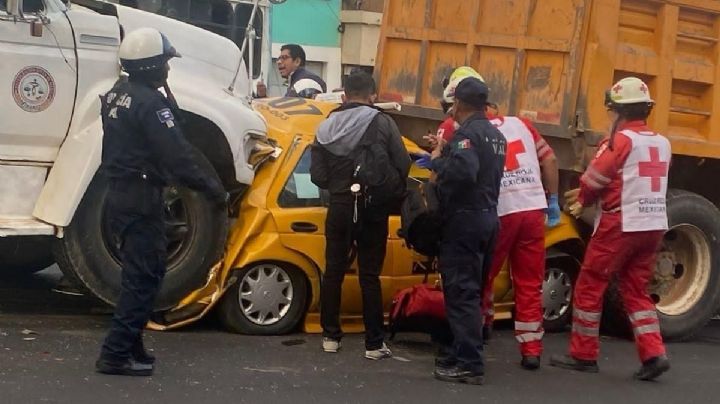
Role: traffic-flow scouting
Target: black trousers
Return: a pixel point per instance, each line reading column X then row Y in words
column 136, row 222
column 370, row 235
column 468, row 238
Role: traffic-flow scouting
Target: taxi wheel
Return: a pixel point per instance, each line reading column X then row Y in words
column 561, row 271
column 265, row 299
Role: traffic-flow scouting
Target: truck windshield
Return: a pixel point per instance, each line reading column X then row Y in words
column 225, row 18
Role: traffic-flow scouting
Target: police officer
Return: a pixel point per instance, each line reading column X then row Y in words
column 143, row 150
column 468, row 171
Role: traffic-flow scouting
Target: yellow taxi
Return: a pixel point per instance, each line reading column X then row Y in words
column 269, row 281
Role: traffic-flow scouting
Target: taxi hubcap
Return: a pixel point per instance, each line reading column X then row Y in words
column 266, row 293
column 557, row 294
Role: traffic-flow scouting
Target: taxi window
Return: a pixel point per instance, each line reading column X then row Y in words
column 299, row 191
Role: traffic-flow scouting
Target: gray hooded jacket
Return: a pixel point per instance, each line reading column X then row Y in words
column 331, row 167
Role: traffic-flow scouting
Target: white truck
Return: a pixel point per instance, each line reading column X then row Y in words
column 56, row 59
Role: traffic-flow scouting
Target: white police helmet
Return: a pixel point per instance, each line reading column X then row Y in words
column 145, row 49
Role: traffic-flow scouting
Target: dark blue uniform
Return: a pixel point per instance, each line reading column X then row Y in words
column 468, row 177
column 143, row 150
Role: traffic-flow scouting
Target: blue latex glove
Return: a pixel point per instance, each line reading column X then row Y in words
column 422, row 160
column 553, row 211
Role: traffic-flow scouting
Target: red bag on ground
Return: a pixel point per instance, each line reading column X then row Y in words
column 419, row 308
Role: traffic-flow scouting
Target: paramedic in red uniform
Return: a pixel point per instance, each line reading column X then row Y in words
column 628, row 179
column 530, row 168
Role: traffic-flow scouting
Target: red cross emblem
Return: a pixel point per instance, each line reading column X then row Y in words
column 653, row 169
column 513, row 149
column 617, row 89
column 643, row 88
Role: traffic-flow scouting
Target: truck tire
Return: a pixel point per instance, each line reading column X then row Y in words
column 282, row 290
column 686, row 285
column 197, row 232
column 25, row 255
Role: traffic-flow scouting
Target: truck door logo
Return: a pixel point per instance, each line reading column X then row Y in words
column 33, row 89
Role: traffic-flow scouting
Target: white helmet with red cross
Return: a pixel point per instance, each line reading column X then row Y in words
column 630, row 90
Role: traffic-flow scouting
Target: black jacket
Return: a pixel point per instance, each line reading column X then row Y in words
column 302, row 73
column 331, row 162
column 471, row 166
column 142, row 139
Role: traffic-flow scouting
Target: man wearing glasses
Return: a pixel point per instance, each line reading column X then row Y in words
column 301, row 82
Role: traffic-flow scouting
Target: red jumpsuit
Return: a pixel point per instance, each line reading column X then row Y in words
column 522, row 234
column 629, row 182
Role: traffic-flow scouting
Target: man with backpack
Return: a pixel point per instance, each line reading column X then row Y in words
column 360, row 158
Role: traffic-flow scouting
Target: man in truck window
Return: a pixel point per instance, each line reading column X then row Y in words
column 468, row 171
column 530, row 168
column 143, row 150
column 628, row 180
column 301, row 82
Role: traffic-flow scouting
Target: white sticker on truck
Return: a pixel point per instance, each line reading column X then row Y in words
column 33, row 89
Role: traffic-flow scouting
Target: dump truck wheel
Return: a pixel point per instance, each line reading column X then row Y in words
column 686, row 285
column 265, row 299
column 196, row 230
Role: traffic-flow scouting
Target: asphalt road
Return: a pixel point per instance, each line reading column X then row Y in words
column 49, row 342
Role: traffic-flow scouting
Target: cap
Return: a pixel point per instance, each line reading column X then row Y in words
column 473, row 92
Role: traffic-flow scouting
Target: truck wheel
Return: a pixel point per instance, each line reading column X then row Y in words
column 266, row 299
column 686, row 286
column 196, row 231
column 22, row 256
column 561, row 271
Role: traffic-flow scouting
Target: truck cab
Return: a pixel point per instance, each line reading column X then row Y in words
column 58, row 58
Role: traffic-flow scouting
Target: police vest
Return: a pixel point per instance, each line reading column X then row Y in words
column 521, row 187
column 644, row 186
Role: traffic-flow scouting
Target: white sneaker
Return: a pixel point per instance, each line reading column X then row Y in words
column 331, row 345
column 381, row 353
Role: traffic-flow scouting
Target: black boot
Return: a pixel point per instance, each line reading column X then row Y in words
column 652, row 368
column 125, row 368
column 140, row 355
column 530, row 362
column 457, row 375
column 568, row 362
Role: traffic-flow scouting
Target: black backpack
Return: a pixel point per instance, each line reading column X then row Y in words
column 420, row 221
column 379, row 181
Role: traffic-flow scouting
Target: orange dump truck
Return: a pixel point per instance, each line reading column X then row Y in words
column 551, row 61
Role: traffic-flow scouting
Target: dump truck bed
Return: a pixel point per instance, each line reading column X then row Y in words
column 552, row 60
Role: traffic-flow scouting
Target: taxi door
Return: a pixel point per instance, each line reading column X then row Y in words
column 38, row 77
column 299, row 208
